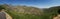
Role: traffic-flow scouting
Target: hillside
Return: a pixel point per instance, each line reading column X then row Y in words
column 23, row 12
column 27, row 12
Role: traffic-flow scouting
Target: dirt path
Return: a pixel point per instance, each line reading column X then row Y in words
column 57, row 17
column 7, row 15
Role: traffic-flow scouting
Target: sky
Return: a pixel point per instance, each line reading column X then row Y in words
column 34, row 3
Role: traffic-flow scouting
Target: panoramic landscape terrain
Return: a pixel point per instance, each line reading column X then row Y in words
column 30, row 9
column 25, row 12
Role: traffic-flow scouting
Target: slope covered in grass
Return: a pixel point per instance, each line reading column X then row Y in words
column 26, row 12
column 23, row 12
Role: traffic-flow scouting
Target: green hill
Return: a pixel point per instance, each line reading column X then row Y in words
column 28, row 12
column 23, row 12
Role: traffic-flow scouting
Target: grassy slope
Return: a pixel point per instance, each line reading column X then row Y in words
column 16, row 15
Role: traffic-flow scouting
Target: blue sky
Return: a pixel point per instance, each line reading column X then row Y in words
column 35, row 3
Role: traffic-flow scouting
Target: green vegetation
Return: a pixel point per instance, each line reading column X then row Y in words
column 25, row 12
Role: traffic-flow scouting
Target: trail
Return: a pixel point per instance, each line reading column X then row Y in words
column 57, row 17
column 7, row 15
